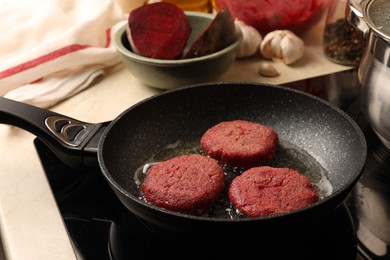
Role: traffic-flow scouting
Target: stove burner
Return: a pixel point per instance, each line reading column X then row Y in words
column 337, row 243
column 370, row 198
column 100, row 227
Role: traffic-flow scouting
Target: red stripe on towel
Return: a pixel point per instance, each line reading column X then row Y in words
column 42, row 59
column 108, row 38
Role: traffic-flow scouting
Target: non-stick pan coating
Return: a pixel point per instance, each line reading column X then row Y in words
column 308, row 122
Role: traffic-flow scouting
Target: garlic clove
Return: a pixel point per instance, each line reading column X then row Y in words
column 275, row 46
column 292, row 48
column 267, row 69
column 265, row 46
column 251, row 40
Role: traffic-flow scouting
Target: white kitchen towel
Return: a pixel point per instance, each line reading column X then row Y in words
column 53, row 49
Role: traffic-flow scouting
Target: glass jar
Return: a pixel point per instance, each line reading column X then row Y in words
column 190, row 5
column 128, row 6
column 343, row 43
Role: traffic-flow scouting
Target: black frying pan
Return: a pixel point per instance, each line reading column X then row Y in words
column 178, row 118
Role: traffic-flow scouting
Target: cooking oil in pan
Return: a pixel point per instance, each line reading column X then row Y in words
column 287, row 156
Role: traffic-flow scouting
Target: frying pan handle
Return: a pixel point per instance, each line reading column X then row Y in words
column 73, row 141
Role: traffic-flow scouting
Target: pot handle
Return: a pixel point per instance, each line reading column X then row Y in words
column 73, row 141
column 354, row 15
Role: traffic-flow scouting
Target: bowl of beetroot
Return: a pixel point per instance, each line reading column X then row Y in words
column 165, row 47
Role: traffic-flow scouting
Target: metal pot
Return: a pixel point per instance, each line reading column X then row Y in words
column 371, row 16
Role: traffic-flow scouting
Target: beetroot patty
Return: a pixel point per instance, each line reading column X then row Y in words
column 240, row 143
column 268, row 191
column 184, row 183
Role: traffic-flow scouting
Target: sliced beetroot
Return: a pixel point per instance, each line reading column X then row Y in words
column 159, row 30
column 219, row 34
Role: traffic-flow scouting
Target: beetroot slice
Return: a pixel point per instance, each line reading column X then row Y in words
column 219, row 34
column 159, row 30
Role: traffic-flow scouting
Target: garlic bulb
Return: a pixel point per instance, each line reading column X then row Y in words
column 282, row 45
column 250, row 42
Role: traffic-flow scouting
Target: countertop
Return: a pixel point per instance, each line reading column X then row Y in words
column 30, row 223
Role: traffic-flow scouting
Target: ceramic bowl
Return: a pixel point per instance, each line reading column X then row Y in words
column 169, row 74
